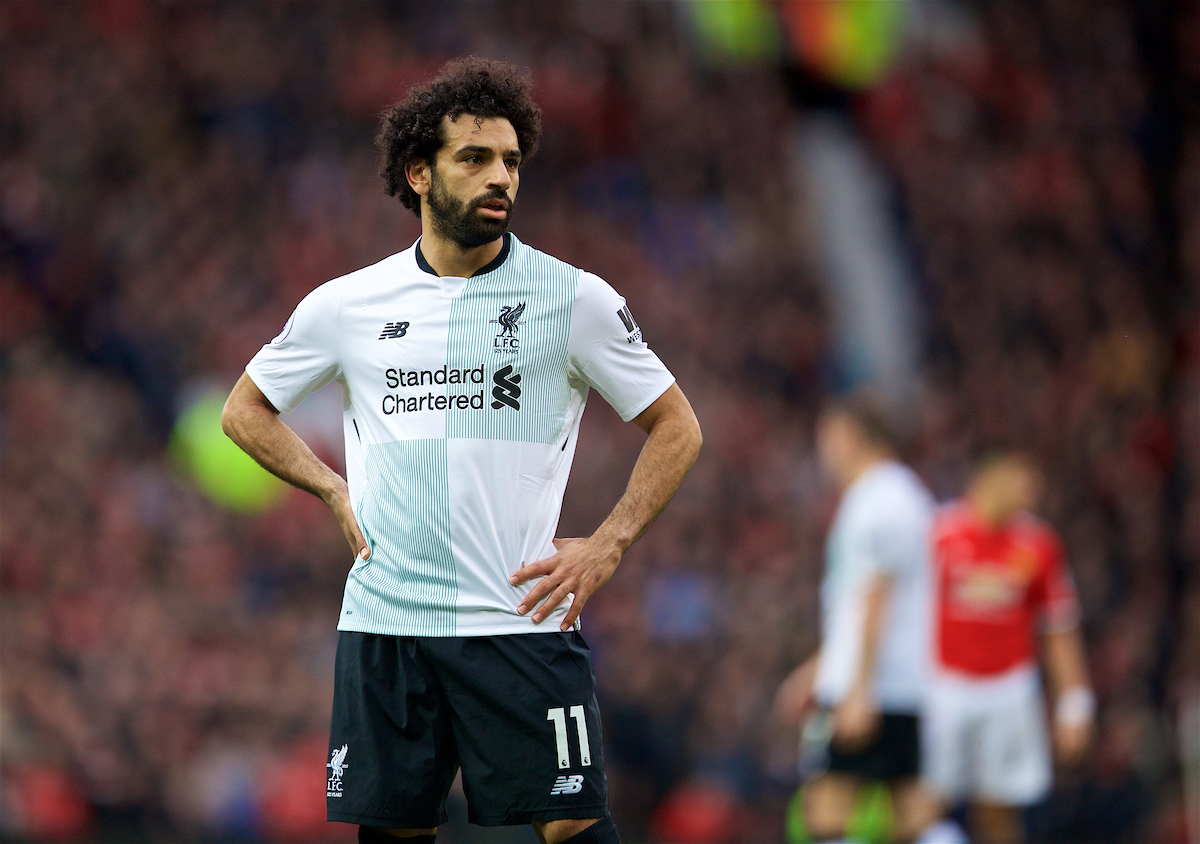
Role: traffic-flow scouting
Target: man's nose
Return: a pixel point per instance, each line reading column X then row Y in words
column 499, row 175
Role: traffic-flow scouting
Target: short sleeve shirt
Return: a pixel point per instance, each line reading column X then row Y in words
column 462, row 403
column 881, row 528
column 995, row 588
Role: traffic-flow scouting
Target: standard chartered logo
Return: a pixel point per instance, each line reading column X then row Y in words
column 460, row 393
column 506, row 392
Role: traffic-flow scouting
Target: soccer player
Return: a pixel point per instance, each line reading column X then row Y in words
column 465, row 362
column 866, row 680
column 1001, row 586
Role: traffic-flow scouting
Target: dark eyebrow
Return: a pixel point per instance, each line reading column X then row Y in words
column 476, row 148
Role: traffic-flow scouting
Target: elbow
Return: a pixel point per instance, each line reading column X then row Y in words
column 694, row 439
column 229, row 420
column 244, row 411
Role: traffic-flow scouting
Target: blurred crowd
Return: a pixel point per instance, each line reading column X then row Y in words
column 174, row 177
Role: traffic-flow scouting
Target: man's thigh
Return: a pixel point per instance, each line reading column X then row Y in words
column 828, row 803
column 993, row 823
column 526, row 726
column 915, row 806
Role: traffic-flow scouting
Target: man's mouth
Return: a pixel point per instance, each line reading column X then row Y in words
column 497, row 209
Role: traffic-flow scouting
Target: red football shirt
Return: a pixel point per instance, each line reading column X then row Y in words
column 995, row 586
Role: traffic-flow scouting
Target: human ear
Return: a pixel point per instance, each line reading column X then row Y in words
column 417, row 173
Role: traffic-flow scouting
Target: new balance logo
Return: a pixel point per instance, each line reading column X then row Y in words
column 506, row 391
column 567, row 785
column 393, row 330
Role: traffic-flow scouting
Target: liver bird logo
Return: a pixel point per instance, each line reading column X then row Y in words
column 508, row 319
column 337, row 762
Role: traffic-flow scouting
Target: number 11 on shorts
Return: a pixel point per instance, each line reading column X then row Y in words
column 559, row 716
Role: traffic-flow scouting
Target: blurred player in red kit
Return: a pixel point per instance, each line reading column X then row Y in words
column 1002, row 589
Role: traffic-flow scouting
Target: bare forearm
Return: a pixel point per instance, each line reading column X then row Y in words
column 669, row 453
column 250, row 422
column 856, row 715
column 1066, row 666
column 879, row 592
column 1074, row 707
column 795, row 692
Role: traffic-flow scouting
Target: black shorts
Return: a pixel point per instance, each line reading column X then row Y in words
column 518, row 714
column 894, row 753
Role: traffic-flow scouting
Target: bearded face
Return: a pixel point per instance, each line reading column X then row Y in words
column 462, row 221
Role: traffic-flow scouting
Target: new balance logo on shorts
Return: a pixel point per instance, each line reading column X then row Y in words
column 568, row 785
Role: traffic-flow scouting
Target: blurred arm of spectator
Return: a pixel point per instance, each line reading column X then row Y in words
column 1074, row 702
column 856, row 717
column 251, row 421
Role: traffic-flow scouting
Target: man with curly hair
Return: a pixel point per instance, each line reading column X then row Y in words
column 465, row 362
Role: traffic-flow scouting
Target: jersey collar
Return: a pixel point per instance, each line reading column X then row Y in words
column 486, row 268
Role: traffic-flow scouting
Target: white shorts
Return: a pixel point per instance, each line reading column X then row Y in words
column 986, row 739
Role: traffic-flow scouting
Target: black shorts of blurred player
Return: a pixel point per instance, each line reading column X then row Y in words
column 517, row 713
column 892, row 755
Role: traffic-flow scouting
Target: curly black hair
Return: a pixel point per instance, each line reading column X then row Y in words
column 411, row 129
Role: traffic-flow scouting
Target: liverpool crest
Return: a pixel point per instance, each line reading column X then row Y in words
column 510, row 323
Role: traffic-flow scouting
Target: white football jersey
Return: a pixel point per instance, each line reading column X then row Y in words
column 881, row 528
column 463, row 398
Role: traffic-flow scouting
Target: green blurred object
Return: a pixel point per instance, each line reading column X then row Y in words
column 793, row 822
column 737, row 31
column 221, row 470
column 870, row 822
column 874, row 32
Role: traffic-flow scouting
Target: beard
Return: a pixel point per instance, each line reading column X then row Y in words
column 460, row 221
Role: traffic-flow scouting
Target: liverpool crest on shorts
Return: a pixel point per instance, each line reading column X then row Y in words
column 337, row 766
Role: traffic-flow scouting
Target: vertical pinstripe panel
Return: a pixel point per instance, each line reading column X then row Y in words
column 547, row 287
column 410, row 582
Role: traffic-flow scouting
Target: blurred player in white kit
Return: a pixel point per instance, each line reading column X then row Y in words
column 863, row 690
column 1002, row 589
